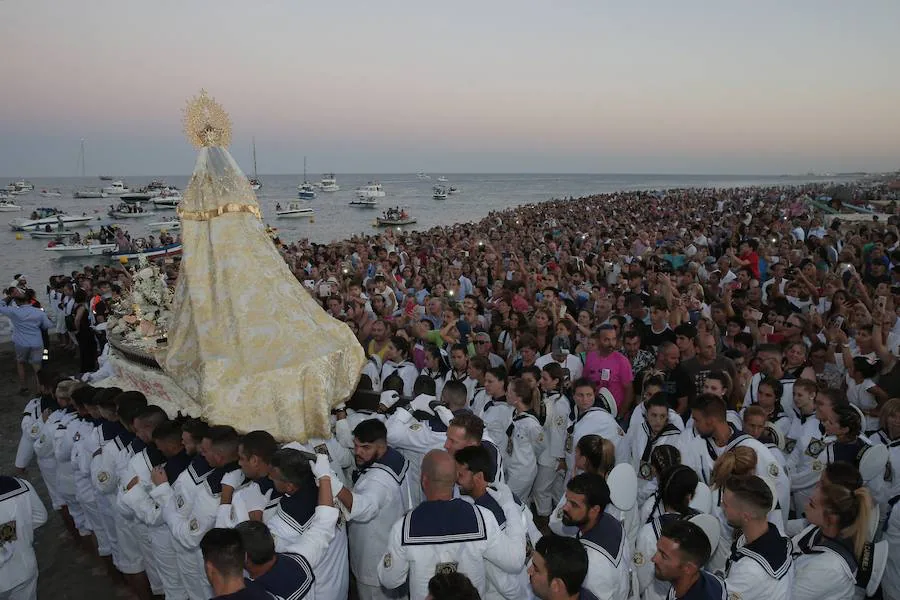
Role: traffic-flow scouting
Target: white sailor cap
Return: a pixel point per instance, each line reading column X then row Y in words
column 777, row 436
column 607, row 401
column 702, row 500
column 872, row 566
column 873, row 461
column 711, row 527
column 389, row 398
column 623, row 484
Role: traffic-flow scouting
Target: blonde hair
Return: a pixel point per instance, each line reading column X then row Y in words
column 888, row 409
column 853, row 509
column 598, row 452
column 740, row 460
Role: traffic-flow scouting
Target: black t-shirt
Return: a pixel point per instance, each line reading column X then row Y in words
column 698, row 372
column 651, row 340
column 678, row 384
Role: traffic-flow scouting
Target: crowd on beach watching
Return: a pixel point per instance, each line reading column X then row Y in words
column 688, row 393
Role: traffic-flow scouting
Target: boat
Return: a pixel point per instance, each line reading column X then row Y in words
column 21, row 187
column 306, row 190
column 150, row 253
column 160, row 186
column 293, row 210
column 372, row 189
column 394, row 217
column 328, row 183
column 364, row 202
column 422, row 175
column 167, row 224
column 116, row 188
column 139, row 196
column 167, row 200
column 255, row 183
column 51, row 235
column 9, row 206
column 442, row 179
column 54, row 193
column 106, row 178
column 89, row 193
column 439, row 192
column 128, row 211
column 48, row 216
column 453, row 190
column 78, row 250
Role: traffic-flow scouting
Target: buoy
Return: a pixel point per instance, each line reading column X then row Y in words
column 312, row 219
column 123, row 260
column 18, row 236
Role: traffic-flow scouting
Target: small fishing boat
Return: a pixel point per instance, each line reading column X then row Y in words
column 116, row 188
column 453, row 190
column 169, row 224
column 89, row 193
column 439, row 192
column 139, row 196
column 150, row 253
column 78, row 250
column 423, row 175
column 54, row 193
column 442, row 179
column 394, row 217
column 129, row 211
column 52, row 235
column 167, row 201
column 364, row 202
column 9, row 206
column 328, row 183
column 293, row 210
column 48, row 216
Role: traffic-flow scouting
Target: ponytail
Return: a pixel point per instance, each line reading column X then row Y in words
column 677, row 487
column 740, row 460
column 853, row 509
column 598, row 452
column 555, row 372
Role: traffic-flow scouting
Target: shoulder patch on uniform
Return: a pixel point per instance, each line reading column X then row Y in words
column 446, row 568
column 194, row 525
column 639, row 559
column 34, row 429
column 541, row 437
column 8, row 532
column 734, row 596
column 415, row 426
column 179, row 501
column 620, row 432
column 102, row 476
column 388, row 560
column 773, row 469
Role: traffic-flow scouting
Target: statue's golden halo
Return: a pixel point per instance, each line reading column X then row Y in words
column 206, row 123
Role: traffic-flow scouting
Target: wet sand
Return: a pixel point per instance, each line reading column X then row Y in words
column 66, row 570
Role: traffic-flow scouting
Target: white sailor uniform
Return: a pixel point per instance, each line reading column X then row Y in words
column 21, row 512
column 890, row 581
column 805, row 446
column 407, row 372
column 593, row 421
column 707, row 587
column 140, row 466
column 497, row 417
column 501, row 585
column 650, row 587
column 609, row 559
column 639, row 444
column 525, row 444
column 65, row 478
column 31, row 425
column 479, row 398
column 463, row 378
column 43, row 450
column 548, row 484
column 787, row 391
column 762, row 569
column 255, row 495
column 300, row 526
column 381, row 496
column 104, row 445
column 442, row 536
column 826, row 569
column 290, row 578
column 84, row 444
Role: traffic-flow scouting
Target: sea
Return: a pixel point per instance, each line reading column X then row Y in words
column 334, row 218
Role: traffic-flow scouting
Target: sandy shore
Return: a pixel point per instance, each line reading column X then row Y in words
column 66, row 571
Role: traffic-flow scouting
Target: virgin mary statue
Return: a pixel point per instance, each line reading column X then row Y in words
column 246, row 341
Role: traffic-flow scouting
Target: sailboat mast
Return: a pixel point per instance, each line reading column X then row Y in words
column 304, row 169
column 255, row 176
column 82, row 157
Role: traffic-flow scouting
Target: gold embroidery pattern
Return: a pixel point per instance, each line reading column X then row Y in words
column 206, row 215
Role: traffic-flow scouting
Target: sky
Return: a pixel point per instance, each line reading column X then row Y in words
column 592, row 86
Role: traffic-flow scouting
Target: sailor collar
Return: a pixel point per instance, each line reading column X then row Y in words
column 291, row 576
column 812, row 541
column 607, row 538
column 443, row 522
column 737, row 437
column 199, row 469
column 10, row 487
column 499, row 401
column 214, row 479
column 392, row 462
column 707, row 587
column 489, row 502
column 770, row 550
column 298, row 509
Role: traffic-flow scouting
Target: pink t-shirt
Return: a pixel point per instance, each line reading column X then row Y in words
column 612, row 372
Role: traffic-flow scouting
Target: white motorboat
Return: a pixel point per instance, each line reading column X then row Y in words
column 167, row 201
column 364, row 202
column 442, row 179
column 54, row 193
column 373, row 189
column 394, row 217
column 139, row 196
column 129, row 211
column 293, row 210
column 20, row 187
column 9, row 206
column 79, row 250
column 89, row 193
column 116, row 188
column 439, row 192
column 328, row 183
column 305, row 190
column 453, row 190
column 422, row 175
column 52, row 235
column 169, row 224
column 149, row 253
column 48, row 216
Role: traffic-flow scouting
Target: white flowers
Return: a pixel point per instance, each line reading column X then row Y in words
column 150, row 300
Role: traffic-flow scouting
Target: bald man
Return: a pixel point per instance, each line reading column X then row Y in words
column 449, row 535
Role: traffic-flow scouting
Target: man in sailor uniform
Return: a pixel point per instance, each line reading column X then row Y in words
column 21, row 512
column 477, row 395
column 109, row 429
column 306, row 521
column 602, row 535
column 471, row 464
column 224, row 559
column 257, row 498
column 719, row 436
column 760, row 566
column 168, row 456
column 219, row 446
column 445, row 535
column 285, row 575
column 592, row 413
column 31, row 424
column 681, row 552
column 380, row 496
column 468, row 430
column 398, row 364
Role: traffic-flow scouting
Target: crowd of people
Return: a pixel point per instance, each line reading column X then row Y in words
column 682, row 394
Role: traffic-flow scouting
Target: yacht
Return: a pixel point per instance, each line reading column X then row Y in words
column 89, row 193
column 41, row 217
column 422, row 175
column 116, row 188
column 23, row 187
column 9, row 206
column 373, row 189
column 364, row 202
column 254, row 181
column 439, row 192
column 293, row 210
column 453, row 190
column 54, row 193
column 442, row 179
column 167, row 200
column 328, row 183
column 305, row 190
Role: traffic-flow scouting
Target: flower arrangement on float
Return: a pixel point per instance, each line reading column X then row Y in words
column 143, row 315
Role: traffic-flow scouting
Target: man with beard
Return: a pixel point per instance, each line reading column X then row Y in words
column 380, row 496
column 601, row 534
column 681, row 552
column 761, row 565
